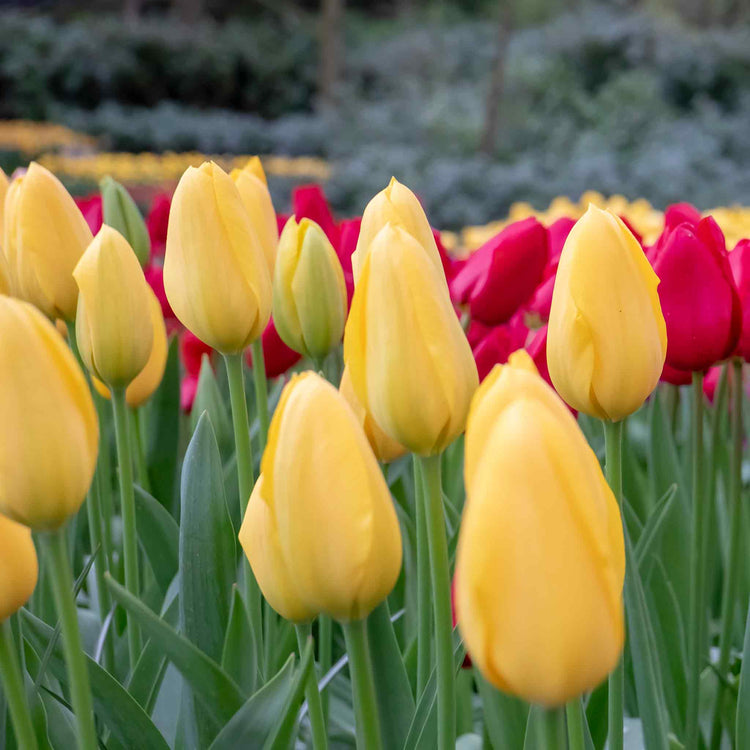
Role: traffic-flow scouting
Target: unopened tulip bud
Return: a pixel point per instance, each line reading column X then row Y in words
column 114, row 325
column 19, row 567
column 50, row 435
column 121, row 213
column 309, row 293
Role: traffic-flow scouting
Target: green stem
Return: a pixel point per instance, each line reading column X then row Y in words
column 325, row 652
column 312, row 695
column 58, row 565
column 363, row 685
column 574, row 714
column 424, row 606
column 244, row 453
column 15, row 692
column 613, row 467
column 261, row 391
column 127, row 503
column 269, row 636
column 441, row 597
column 139, row 441
column 553, row 729
column 696, row 623
column 732, row 579
column 103, row 479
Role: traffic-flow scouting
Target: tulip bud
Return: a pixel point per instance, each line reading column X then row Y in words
column 149, row 378
column 399, row 206
column 385, row 448
column 318, row 472
column 739, row 260
column 698, row 295
column 5, row 280
column 606, row 335
column 309, row 293
column 18, row 567
column 253, row 189
column 45, row 235
column 114, row 323
column 540, row 561
column 215, row 274
column 121, row 213
column 410, row 363
column 50, row 435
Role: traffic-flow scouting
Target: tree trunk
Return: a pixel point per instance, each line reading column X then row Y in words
column 331, row 31
column 497, row 81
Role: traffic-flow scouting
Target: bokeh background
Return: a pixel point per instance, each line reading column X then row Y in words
column 475, row 104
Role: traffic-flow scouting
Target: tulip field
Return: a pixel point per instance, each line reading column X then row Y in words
column 303, row 481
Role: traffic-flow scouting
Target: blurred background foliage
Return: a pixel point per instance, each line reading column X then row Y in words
column 473, row 103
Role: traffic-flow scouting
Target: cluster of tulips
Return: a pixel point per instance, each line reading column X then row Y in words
column 426, row 484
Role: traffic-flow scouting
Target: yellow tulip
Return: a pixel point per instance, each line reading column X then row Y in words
column 50, row 435
column 397, row 205
column 540, row 561
column 5, row 278
column 19, row 567
column 607, row 339
column 318, row 472
column 253, row 189
column 114, row 324
column 215, row 274
column 45, row 235
column 4, row 184
column 410, row 363
column 149, row 378
column 386, row 449
column 309, row 292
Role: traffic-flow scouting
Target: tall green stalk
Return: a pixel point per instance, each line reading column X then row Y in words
column 696, row 623
column 424, row 606
column 363, row 686
column 613, row 467
column 732, row 578
column 325, row 653
column 441, row 598
column 15, row 692
column 312, row 695
column 574, row 716
column 58, row 565
column 139, row 443
column 261, row 391
column 552, row 725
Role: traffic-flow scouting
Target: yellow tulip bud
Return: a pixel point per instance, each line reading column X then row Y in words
column 607, row 339
column 45, row 235
column 318, row 472
column 18, row 567
column 50, row 435
column 540, row 561
column 410, row 363
column 253, row 189
column 385, row 448
column 5, row 278
column 114, row 325
column 399, row 206
column 309, row 292
column 149, row 378
column 215, row 274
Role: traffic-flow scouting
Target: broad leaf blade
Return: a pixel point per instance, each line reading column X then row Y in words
column 159, row 536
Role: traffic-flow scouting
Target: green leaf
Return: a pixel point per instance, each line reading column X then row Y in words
column 212, row 687
column 505, row 717
column 653, row 528
column 238, row 654
column 208, row 398
column 742, row 740
column 127, row 721
column 159, row 537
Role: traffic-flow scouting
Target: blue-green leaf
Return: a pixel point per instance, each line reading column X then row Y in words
column 159, row 537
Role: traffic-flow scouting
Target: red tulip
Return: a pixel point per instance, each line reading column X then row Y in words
column 281, row 220
column 309, row 202
column 698, row 296
column 278, row 357
column 537, row 349
column 450, row 266
column 349, row 234
column 156, row 223
column 541, row 302
column 739, row 261
column 91, row 208
column 192, row 350
column 498, row 344
column 503, row 274
column 673, row 376
column 558, row 232
column 155, row 278
column 711, row 382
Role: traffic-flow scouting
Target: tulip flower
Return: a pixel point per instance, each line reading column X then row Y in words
column 215, row 274
column 149, row 378
column 698, row 295
column 385, row 448
column 5, row 279
column 606, row 338
column 309, row 293
column 114, row 323
column 348, row 244
column 50, row 435
column 4, row 184
column 398, row 206
column 540, row 560
column 45, row 235
column 410, row 363
column 253, row 188
column 120, row 212
column 91, row 208
column 309, row 202
column 739, row 261
column 318, row 472
column 18, row 567
column 495, row 347
column 156, row 223
column 503, row 274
